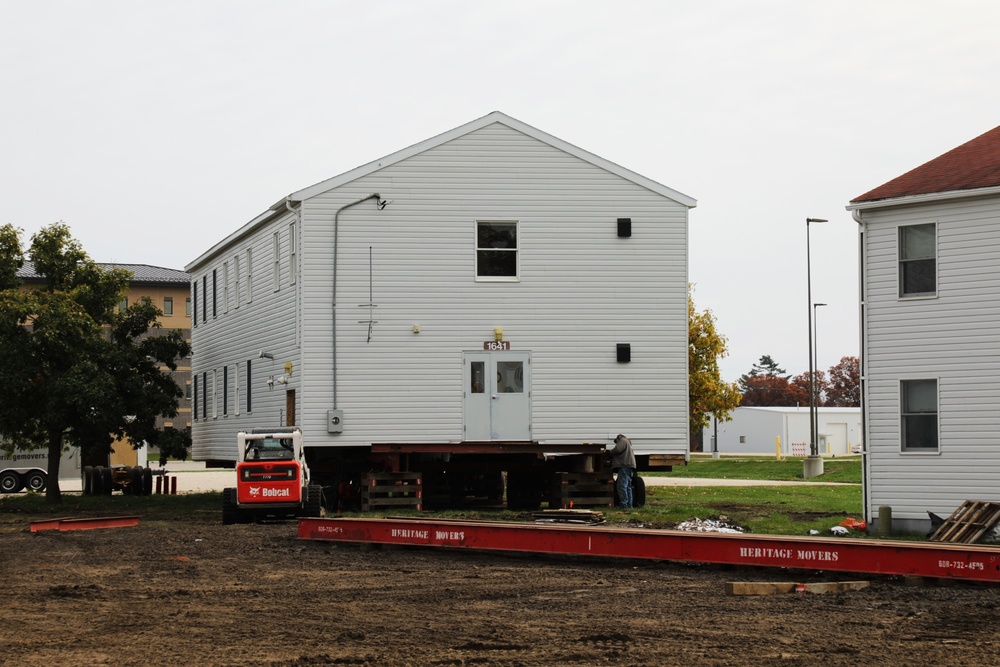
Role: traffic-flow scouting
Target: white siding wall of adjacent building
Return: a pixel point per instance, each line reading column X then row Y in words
column 954, row 338
column 582, row 290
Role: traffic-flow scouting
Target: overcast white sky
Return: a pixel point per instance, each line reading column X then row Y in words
column 154, row 129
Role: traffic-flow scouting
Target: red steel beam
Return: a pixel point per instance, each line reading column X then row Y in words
column 884, row 557
column 84, row 524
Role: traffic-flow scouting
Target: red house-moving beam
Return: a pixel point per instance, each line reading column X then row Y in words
column 951, row 561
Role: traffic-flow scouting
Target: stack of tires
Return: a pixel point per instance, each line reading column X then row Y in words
column 103, row 480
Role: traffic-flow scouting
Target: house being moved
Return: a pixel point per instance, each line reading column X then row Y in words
column 490, row 290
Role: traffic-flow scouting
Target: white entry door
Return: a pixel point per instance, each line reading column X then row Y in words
column 497, row 395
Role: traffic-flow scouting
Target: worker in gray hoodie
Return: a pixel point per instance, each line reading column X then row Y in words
column 623, row 463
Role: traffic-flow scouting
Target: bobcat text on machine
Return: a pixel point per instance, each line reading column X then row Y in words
column 272, row 478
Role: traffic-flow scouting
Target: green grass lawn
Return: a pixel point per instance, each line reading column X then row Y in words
column 774, row 510
column 844, row 469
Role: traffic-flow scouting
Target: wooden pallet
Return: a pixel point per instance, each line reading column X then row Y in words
column 582, row 489
column 392, row 489
column 968, row 523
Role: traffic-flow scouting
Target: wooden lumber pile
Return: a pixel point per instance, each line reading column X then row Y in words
column 969, row 523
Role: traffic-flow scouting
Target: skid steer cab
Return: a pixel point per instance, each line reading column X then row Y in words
column 272, row 478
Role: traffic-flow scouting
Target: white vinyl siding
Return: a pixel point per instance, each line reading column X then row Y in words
column 415, row 261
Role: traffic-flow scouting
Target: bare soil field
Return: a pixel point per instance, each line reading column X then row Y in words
column 195, row 592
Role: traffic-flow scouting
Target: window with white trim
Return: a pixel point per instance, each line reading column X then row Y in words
column 918, row 412
column 496, row 250
column 918, row 260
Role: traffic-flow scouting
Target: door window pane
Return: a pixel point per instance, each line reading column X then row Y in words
column 478, row 374
column 510, row 377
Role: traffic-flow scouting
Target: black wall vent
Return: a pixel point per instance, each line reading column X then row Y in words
column 624, row 352
column 624, row 227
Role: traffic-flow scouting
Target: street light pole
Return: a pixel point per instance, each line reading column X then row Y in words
column 814, row 467
column 816, row 364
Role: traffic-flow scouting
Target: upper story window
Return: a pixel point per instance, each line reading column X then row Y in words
column 918, row 412
column 168, row 305
column 194, row 312
column 496, row 250
column 123, row 304
column 187, row 305
column 918, row 260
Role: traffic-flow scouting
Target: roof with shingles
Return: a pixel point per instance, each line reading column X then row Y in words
column 141, row 273
column 973, row 165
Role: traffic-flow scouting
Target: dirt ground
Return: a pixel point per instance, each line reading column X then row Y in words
column 200, row 593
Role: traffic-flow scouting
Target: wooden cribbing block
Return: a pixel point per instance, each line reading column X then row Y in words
column 777, row 587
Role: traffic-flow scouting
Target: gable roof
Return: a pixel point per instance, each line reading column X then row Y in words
column 141, row 273
column 971, row 166
column 281, row 206
column 489, row 119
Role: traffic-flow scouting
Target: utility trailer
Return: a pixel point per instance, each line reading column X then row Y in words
column 29, row 470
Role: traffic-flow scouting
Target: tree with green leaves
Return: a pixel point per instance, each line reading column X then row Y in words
column 76, row 369
column 708, row 395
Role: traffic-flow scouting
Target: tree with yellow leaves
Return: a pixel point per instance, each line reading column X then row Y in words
column 708, row 395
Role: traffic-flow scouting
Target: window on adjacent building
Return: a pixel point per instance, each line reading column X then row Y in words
column 168, row 305
column 918, row 400
column 496, row 250
column 918, row 260
column 187, row 306
column 123, row 304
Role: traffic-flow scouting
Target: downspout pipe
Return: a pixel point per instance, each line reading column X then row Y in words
column 336, row 224
column 862, row 293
